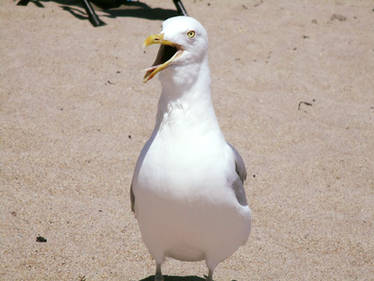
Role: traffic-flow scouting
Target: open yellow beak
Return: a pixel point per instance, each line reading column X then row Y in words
column 167, row 53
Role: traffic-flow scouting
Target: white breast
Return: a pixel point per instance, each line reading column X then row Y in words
column 180, row 202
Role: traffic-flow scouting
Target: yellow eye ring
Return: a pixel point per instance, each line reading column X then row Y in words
column 191, row 34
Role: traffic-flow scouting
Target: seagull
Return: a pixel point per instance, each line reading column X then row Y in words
column 187, row 189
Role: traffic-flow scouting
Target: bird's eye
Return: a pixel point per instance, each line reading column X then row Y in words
column 191, row 34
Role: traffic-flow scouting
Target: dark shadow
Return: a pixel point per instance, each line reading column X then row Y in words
column 79, row 14
column 112, row 9
column 37, row 3
column 175, row 278
column 110, row 4
column 40, row 2
column 148, row 13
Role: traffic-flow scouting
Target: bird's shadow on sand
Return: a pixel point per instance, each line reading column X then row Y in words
column 117, row 8
column 175, row 278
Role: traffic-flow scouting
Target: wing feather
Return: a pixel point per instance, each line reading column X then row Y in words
column 237, row 184
column 132, row 199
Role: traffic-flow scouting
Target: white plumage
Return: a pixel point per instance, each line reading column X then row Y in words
column 187, row 190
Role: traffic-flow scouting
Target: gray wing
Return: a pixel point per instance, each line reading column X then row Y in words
column 241, row 171
column 132, row 199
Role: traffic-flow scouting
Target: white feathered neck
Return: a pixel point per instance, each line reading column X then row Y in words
column 186, row 98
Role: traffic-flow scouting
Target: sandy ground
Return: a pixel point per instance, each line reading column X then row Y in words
column 74, row 115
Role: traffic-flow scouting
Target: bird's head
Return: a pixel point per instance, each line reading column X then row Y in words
column 183, row 41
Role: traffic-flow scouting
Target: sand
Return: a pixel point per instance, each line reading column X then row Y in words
column 292, row 84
